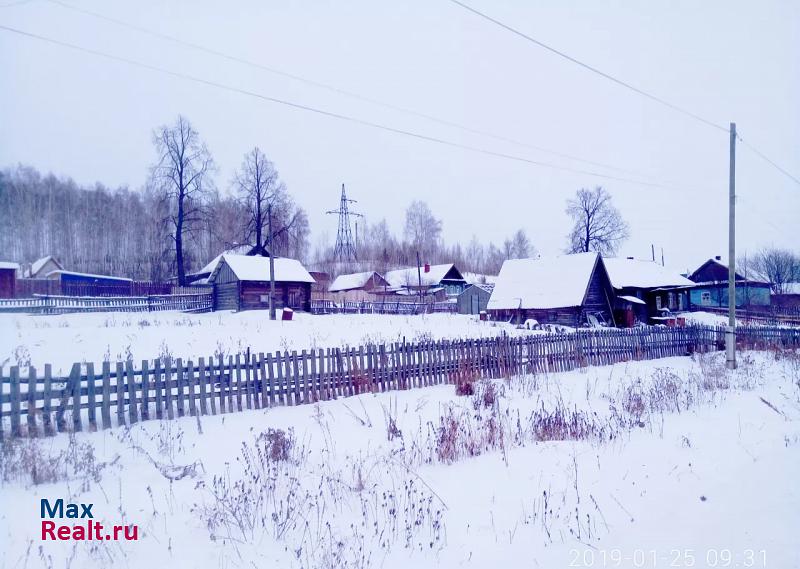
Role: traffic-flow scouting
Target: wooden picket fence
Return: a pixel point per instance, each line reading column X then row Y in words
column 193, row 302
column 120, row 394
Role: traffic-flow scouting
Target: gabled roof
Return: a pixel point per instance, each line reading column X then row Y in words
column 257, row 269
column 486, row 287
column 712, row 262
column 209, row 268
column 410, row 277
column 477, row 278
column 555, row 282
column 353, row 281
column 634, row 273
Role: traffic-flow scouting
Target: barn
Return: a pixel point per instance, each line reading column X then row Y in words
column 8, row 279
column 644, row 289
column 243, row 283
column 570, row 290
column 474, row 298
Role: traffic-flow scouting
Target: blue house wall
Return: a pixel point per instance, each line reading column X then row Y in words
column 717, row 295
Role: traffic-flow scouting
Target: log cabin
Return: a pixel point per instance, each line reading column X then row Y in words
column 569, row 290
column 243, row 283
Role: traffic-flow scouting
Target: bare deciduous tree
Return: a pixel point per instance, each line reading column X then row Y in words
column 598, row 225
column 258, row 187
column 422, row 229
column 260, row 190
column 182, row 174
column 778, row 266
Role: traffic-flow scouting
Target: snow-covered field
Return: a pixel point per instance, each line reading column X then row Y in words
column 673, row 462
column 65, row 339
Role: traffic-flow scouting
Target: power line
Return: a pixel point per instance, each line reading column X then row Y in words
column 335, row 89
column 767, row 159
column 590, row 68
column 323, row 112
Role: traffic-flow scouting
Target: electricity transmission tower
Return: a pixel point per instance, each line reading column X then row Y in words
column 345, row 249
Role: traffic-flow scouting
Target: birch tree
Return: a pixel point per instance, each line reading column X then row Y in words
column 183, row 175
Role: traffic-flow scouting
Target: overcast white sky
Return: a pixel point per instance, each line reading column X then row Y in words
column 90, row 118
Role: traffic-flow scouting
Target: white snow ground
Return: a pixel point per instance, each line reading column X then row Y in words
column 680, row 463
column 65, row 339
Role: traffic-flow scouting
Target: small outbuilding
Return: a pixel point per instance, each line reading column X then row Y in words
column 474, row 298
column 243, row 283
column 8, row 279
column 570, row 290
column 787, row 296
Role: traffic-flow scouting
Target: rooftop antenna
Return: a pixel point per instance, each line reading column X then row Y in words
column 345, row 249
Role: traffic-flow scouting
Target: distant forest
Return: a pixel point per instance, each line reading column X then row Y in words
column 115, row 231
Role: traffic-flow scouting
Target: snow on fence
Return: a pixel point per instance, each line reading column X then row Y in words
column 195, row 302
column 380, row 307
column 122, row 394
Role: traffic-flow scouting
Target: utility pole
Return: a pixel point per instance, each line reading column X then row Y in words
column 271, row 265
column 730, row 333
column 419, row 279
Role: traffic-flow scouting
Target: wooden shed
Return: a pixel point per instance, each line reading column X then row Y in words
column 358, row 286
column 570, row 290
column 8, row 279
column 474, row 298
column 243, row 283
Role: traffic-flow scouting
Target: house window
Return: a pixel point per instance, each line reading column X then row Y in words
column 680, row 301
column 264, row 299
column 705, row 297
column 658, row 302
column 293, row 300
column 671, row 302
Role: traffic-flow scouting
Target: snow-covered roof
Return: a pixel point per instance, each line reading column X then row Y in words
column 237, row 250
column 642, row 274
column 632, row 299
column 543, row 283
column 411, row 277
column 478, row 278
column 8, row 265
column 257, row 269
column 87, row 275
column 488, row 287
column 351, row 281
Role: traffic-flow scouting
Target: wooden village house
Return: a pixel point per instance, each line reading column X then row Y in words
column 645, row 290
column 711, row 287
column 358, row 286
column 40, row 268
column 243, row 283
column 570, row 290
column 437, row 282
